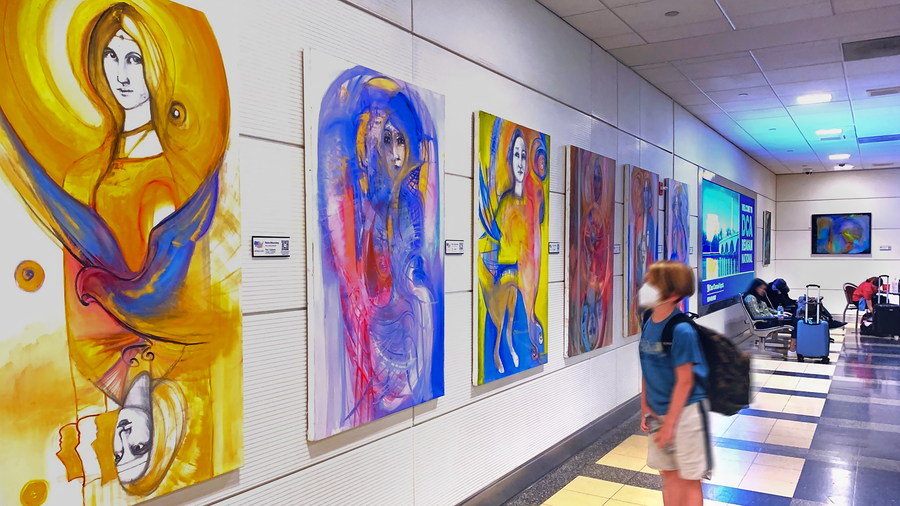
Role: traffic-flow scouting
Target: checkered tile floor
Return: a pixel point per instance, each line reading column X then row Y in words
column 813, row 435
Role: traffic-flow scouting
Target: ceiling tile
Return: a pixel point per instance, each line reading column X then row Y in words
column 618, row 41
column 691, row 99
column 873, row 66
column 749, row 105
column 798, row 55
column 677, row 88
column 762, row 127
column 806, row 9
column 731, row 82
column 773, row 113
column 806, row 73
column 754, row 93
column 842, row 6
column 859, row 86
column 743, row 64
column 876, row 119
column 564, row 8
column 651, row 15
column 880, row 153
column 703, row 110
column 686, row 31
column 598, row 24
column 660, row 73
column 621, row 3
column 789, row 92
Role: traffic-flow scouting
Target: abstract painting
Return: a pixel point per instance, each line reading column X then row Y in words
column 678, row 225
column 641, row 205
column 842, row 234
column 592, row 205
column 512, row 207
column 121, row 368
column 377, row 280
column 767, row 237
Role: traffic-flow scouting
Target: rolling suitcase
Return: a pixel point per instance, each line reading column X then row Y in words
column 812, row 333
column 886, row 320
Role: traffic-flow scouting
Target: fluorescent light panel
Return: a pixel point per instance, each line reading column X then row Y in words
column 829, row 131
column 815, row 98
column 842, row 156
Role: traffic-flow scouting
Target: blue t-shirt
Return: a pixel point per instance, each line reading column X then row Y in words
column 659, row 368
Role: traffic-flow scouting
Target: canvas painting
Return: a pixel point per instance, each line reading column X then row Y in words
column 767, row 238
column 641, row 206
column 511, row 209
column 592, row 206
column 120, row 349
column 678, row 225
column 376, row 285
column 842, row 234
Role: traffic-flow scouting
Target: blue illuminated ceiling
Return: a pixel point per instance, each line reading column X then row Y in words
column 741, row 65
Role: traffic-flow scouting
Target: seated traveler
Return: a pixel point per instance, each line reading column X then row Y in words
column 765, row 317
column 778, row 293
column 864, row 294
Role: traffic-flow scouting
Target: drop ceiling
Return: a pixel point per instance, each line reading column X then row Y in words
column 741, row 65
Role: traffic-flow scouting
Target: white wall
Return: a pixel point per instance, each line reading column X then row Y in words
column 512, row 58
column 801, row 196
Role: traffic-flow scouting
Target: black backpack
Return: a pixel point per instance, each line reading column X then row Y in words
column 728, row 382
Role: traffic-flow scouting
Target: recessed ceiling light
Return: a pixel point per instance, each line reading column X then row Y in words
column 790, row 151
column 773, row 129
column 743, row 94
column 815, row 98
column 842, row 156
column 829, row 131
column 672, row 14
column 843, row 166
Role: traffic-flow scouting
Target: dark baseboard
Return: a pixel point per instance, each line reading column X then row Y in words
column 521, row 478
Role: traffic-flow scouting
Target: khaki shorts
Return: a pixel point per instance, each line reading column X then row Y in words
column 692, row 457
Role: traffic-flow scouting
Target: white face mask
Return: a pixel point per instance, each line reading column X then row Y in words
column 648, row 296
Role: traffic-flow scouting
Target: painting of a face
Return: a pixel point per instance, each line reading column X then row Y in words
column 123, row 65
column 394, row 144
column 519, row 159
column 132, row 443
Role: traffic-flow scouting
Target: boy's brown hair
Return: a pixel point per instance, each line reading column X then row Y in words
column 672, row 278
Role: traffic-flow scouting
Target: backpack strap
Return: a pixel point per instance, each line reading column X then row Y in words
column 668, row 333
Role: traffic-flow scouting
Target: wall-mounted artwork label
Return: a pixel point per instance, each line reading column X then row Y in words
column 271, row 247
column 512, row 204
column 884, row 248
column 115, row 136
column 554, row 248
column 376, row 282
column 692, row 250
column 617, row 249
column 592, row 183
column 454, row 247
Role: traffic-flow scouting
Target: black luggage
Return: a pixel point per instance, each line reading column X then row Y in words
column 886, row 320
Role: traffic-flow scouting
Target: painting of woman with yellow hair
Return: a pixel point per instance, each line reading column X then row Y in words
column 115, row 137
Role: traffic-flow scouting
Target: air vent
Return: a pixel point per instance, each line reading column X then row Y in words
column 883, row 92
column 879, row 138
column 883, row 165
column 872, row 48
column 833, row 138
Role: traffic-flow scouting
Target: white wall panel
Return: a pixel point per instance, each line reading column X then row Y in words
column 693, row 241
column 272, row 202
column 271, row 108
column 501, row 34
column 686, row 172
column 604, row 140
column 797, row 215
column 657, row 117
column 656, row 160
column 629, row 100
column 557, row 263
column 628, row 373
column 397, row 11
column 458, row 222
column 629, row 154
column 839, row 185
column 604, row 85
column 619, row 338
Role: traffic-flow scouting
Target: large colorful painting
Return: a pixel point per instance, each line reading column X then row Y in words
column 641, row 205
column 842, row 234
column 512, row 207
column 592, row 205
column 678, row 225
column 377, row 279
column 121, row 362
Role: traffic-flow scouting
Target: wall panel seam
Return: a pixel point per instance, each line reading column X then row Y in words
column 273, row 141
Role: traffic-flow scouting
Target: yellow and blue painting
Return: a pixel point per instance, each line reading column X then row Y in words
column 120, row 355
column 511, row 231
column 842, row 234
column 377, row 332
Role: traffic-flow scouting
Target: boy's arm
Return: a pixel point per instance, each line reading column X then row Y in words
column 684, row 385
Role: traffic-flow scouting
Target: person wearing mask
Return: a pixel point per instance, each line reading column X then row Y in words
column 778, row 293
column 864, row 294
column 765, row 316
column 673, row 401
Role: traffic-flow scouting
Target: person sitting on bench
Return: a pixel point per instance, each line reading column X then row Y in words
column 778, row 293
column 765, row 317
